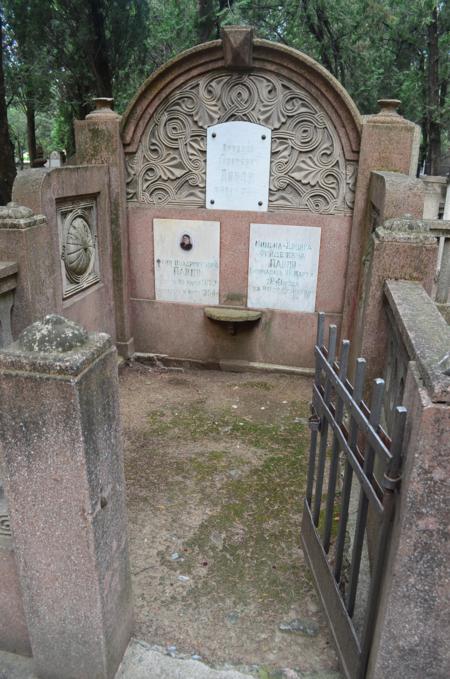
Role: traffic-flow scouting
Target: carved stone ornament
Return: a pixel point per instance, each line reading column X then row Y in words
column 5, row 526
column 308, row 168
column 79, row 253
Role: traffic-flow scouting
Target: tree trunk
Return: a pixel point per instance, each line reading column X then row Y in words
column 433, row 99
column 20, row 153
column 100, row 60
column 206, row 20
column 31, row 130
column 7, row 164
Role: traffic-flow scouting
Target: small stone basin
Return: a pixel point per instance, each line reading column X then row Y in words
column 231, row 316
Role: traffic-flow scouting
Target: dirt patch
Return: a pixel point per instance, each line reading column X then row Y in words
column 215, row 466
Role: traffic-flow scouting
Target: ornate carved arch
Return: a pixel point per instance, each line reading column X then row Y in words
column 315, row 128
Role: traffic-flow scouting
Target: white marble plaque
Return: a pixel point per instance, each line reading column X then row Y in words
column 186, row 260
column 238, row 166
column 283, row 265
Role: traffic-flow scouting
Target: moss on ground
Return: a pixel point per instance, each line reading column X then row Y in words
column 257, row 509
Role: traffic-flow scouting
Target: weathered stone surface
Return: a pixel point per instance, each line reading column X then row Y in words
column 237, row 47
column 8, row 283
column 62, row 455
column 55, row 334
column 307, row 627
column 103, row 108
column 425, row 335
column 392, row 194
column 14, row 211
column 56, row 361
column 7, row 272
column 231, row 315
column 393, row 253
column 13, row 626
column 14, row 216
column 98, row 141
column 143, row 662
column 435, row 190
column 64, row 195
column 389, row 143
column 406, row 229
column 414, row 619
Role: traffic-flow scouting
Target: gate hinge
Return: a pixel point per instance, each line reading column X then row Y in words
column 390, row 483
column 314, row 420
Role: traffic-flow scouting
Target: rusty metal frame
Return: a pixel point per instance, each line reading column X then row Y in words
column 346, row 433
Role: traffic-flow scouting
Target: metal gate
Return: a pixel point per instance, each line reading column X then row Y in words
column 343, row 520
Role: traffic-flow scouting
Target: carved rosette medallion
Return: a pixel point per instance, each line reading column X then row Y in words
column 79, row 255
column 308, row 168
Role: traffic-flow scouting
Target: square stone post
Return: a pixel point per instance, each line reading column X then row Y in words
column 98, row 141
column 389, row 143
column 24, row 239
column 64, row 482
column 400, row 248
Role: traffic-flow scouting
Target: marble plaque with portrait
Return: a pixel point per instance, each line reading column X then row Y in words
column 283, row 267
column 186, row 260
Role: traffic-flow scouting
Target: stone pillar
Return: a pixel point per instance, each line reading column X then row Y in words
column 392, row 195
column 413, row 624
column 64, row 483
column 25, row 238
column 435, row 190
column 400, row 249
column 391, row 144
column 98, row 142
column 8, row 282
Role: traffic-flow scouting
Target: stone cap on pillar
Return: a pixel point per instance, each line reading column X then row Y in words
column 103, row 109
column 54, row 346
column 408, row 229
column 388, row 114
column 14, row 216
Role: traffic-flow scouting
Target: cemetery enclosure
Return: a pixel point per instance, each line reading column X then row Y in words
column 268, row 143
column 177, row 233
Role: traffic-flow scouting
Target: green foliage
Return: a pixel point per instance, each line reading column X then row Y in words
column 60, row 54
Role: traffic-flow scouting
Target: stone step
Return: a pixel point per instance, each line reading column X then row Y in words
column 140, row 662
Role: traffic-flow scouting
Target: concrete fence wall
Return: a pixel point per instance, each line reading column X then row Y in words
column 414, row 619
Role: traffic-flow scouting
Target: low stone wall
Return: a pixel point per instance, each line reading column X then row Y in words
column 414, row 619
column 399, row 248
column 65, row 265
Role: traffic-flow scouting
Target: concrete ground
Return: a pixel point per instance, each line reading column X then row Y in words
column 216, row 468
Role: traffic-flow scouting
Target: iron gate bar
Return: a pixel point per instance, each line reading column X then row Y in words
column 362, row 420
column 324, row 428
column 338, row 415
column 339, row 622
column 363, row 504
column 333, row 395
column 348, row 474
column 391, row 482
column 355, row 463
